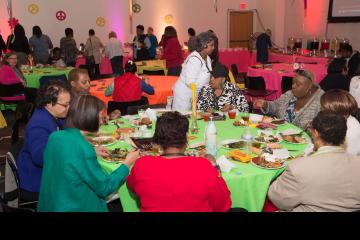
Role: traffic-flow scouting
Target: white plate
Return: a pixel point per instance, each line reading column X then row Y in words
column 113, row 140
column 229, row 141
column 282, row 166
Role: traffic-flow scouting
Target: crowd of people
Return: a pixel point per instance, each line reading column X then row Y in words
column 66, row 113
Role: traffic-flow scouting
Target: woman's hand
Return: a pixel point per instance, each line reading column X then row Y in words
column 131, row 158
column 227, row 108
column 260, row 103
column 102, row 151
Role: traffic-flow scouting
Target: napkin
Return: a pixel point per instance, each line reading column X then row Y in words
column 255, row 118
column 151, row 114
column 224, row 164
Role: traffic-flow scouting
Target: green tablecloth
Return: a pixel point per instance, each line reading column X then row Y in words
column 32, row 79
column 248, row 184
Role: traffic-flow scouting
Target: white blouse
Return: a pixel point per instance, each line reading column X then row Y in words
column 194, row 70
column 355, row 88
column 352, row 136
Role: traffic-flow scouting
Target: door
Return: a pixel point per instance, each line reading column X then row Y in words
column 240, row 28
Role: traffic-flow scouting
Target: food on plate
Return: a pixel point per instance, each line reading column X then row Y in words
column 196, row 150
column 190, row 138
column 264, row 163
column 274, row 121
column 240, row 156
column 102, row 140
column 273, row 146
column 117, row 155
column 263, row 126
column 294, row 139
column 125, row 130
column 240, row 123
column 145, row 121
column 115, row 115
column 267, row 138
column 255, row 150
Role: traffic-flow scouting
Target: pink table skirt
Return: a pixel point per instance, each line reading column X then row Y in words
column 284, row 58
column 274, row 76
column 105, row 65
column 242, row 58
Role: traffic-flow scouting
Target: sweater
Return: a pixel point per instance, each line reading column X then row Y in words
column 173, row 53
column 81, row 184
column 303, row 116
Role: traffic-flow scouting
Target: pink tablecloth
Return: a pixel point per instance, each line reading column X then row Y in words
column 285, row 58
column 105, row 65
column 274, row 76
column 242, row 58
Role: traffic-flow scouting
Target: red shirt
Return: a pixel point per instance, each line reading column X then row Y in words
column 184, row 184
column 127, row 88
column 173, row 53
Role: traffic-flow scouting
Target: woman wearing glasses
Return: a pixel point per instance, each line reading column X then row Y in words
column 298, row 106
column 196, row 69
column 53, row 105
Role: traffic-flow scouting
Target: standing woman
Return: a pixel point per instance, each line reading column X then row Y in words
column 92, row 50
column 196, row 69
column 172, row 51
column 115, row 52
column 81, row 184
column 19, row 43
column 40, row 44
column 154, row 43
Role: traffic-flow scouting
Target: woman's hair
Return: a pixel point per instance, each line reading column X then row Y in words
column 339, row 102
column 19, row 32
column 331, row 127
column 91, row 32
column 68, row 32
column 75, row 73
column 84, row 113
column 140, row 27
column 49, row 92
column 169, row 32
column 130, row 67
column 337, row 66
column 191, row 32
column 37, row 31
column 171, row 130
column 306, row 74
column 112, row 34
column 203, row 39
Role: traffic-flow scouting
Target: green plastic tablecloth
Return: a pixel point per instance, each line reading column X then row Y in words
column 32, row 79
column 247, row 183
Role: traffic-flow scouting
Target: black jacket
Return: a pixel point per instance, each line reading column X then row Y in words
column 353, row 64
column 335, row 81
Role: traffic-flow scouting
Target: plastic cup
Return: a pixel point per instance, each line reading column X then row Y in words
column 232, row 114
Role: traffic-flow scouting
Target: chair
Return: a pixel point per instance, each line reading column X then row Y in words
column 286, row 84
column 12, row 196
column 155, row 72
column 235, row 77
column 44, row 79
column 133, row 110
column 256, row 87
column 123, row 106
column 235, row 70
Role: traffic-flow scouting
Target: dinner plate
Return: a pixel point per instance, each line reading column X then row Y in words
column 284, row 164
column 111, row 161
column 95, row 140
column 230, row 141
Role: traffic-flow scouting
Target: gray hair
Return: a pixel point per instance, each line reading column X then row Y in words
column 203, row 39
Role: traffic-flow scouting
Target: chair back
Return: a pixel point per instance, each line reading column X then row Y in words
column 256, row 83
column 123, row 106
column 286, row 84
column 235, row 70
column 11, row 181
column 156, row 72
column 44, row 79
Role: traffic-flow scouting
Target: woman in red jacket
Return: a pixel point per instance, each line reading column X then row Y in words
column 172, row 51
column 174, row 182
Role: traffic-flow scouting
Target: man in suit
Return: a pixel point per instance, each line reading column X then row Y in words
column 263, row 43
column 352, row 57
column 326, row 181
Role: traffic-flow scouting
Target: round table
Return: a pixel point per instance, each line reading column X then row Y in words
column 247, row 183
column 32, row 78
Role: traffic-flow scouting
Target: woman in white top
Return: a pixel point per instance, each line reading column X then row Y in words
column 92, row 48
column 341, row 102
column 196, row 69
column 115, row 52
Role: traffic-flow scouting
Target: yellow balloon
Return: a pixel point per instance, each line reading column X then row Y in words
column 33, row 8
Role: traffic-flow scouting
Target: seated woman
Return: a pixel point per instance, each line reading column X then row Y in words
column 221, row 94
column 326, row 181
column 79, row 81
column 81, row 184
column 129, row 87
column 298, row 106
column 174, row 182
column 12, row 81
column 56, row 59
column 53, row 104
column 337, row 76
column 341, row 102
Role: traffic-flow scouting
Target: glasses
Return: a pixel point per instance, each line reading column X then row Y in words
column 64, row 105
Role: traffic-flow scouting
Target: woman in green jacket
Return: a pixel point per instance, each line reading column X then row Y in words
column 72, row 179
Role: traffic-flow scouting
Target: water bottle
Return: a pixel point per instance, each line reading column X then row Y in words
column 210, row 138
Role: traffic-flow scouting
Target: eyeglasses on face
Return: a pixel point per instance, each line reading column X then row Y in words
column 64, row 105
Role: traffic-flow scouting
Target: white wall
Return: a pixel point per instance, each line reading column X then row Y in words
column 82, row 14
